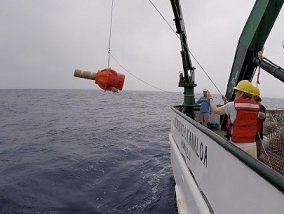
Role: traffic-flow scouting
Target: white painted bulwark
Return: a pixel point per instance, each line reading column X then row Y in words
column 213, row 176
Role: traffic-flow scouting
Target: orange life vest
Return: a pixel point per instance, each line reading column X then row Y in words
column 246, row 123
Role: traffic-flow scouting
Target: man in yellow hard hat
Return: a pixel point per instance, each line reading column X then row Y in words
column 261, row 118
column 242, row 117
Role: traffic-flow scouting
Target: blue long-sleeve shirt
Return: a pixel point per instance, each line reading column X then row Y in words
column 204, row 104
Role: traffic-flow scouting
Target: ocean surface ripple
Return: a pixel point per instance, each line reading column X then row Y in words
column 86, row 151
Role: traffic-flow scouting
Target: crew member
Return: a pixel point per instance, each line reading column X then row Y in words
column 242, row 117
column 261, row 119
column 204, row 109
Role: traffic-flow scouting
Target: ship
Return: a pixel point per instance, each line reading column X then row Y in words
column 212, row 175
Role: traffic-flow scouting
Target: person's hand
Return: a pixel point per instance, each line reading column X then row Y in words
column 261, row 115
column 224, row 98
column 209, row 95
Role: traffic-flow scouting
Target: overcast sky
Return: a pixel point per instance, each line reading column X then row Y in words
column 43, row 42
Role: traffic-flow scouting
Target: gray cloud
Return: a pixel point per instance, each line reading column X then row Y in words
column 42, row 42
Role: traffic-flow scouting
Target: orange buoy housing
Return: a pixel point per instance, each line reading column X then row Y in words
column 108, row 79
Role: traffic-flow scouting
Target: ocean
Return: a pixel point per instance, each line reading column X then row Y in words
column 87, row 151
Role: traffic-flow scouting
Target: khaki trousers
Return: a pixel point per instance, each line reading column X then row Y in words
column 204, row 118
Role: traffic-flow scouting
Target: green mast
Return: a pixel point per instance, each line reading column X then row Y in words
column 251, row 42
column 186, row 80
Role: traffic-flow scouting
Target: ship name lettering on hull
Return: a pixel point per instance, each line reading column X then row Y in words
column 189, row 139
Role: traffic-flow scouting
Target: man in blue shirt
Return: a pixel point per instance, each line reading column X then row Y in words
column 204, row 109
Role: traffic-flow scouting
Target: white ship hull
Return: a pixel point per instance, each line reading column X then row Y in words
column 214, row 176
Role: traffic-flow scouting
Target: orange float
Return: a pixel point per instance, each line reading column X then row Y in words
column 107, row 79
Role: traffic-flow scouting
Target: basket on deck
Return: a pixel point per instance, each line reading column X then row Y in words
column 273, row 142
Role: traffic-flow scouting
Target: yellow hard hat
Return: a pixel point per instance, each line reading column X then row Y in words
column 256, row 91
column 245, row 86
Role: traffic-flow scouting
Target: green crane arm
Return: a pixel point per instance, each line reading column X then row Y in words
column 186, row 79
column 252, row 40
